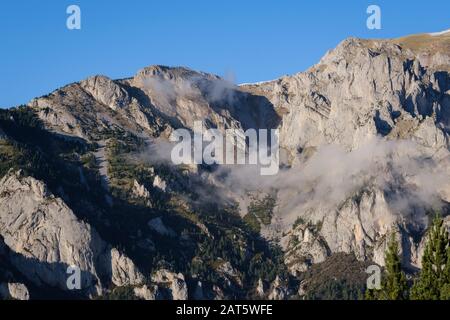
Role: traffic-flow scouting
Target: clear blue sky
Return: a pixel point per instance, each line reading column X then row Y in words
column 255, row 39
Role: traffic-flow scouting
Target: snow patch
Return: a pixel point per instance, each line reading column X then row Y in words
column 434, row 34
column 257, row 83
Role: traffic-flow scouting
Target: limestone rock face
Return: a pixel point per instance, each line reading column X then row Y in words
column 278, row 291
column 229, row 273
column 260, row 288
column 184, row 96
column 305, row 247
column 86, row 109
column 115, row 96
column 106, row 91
column 46, row 235
column 146, row 293
column 45, row 238
column 432, row 49
column 355, row 92
column 140, row 192
column 389, row 99
column 360, row 91
column 124, row 272
column 174, row 282
column 16, row 291
column 159, row 183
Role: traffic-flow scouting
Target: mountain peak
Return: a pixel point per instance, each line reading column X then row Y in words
column 170, row 73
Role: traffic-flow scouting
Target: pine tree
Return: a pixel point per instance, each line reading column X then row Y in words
column 371, row 294
column 434, row 279
column 393, row 285
column 445, row 289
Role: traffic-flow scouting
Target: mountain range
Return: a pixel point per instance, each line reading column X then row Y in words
column 87, row 181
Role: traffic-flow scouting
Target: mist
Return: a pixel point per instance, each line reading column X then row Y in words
column 402, row 169
column 407, row 173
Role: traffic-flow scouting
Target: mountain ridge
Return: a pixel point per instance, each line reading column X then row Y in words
column 364, row 138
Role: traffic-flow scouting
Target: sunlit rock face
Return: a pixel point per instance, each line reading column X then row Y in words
column 364, row 137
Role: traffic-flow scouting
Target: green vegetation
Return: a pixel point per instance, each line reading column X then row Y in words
column 120, row 293
column 341, row 276
column 252, row 222
column 394, row 285
column 431, row 283
column 229, row 238
column 299, row 221
column 336, row 290
column 260, row 212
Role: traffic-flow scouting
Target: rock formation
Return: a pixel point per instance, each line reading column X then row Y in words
column 364, row 138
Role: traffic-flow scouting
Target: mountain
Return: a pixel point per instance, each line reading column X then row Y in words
column 86, row 182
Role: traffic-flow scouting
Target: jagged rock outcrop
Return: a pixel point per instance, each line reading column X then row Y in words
column 380, row 108
column 124, row 271
column 16, row 291
column 278, row 290
column 93, row 106
column 183, row 96
column 141, row 192
column 45, row 235
column 146, row 293
column 159, row 183
column 260, row 289
column 229, row 274
column 217, row 293
column 432, row 49
column 304, row 248
column 355, row 92
column 173, row 282
column 107, row 92
column 360, row 91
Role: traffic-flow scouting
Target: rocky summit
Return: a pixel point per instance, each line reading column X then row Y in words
column 91, row 205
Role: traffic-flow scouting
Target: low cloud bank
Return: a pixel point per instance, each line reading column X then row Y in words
column 403, row 170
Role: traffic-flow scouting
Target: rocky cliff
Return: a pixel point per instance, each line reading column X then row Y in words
column 365, row 152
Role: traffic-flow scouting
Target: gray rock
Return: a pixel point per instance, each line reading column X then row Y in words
column 16, row 291
column 362, row 91
column 159, row 183
column 260, row 288
column 124, row 272
column 305, row 247
column 107, row 92
column 140, row 191
column 45, row 238
column 146, row 293
column 279, row 290
column 174, row 281
column 158, row 225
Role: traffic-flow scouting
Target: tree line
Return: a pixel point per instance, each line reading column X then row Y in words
column 431, row 283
